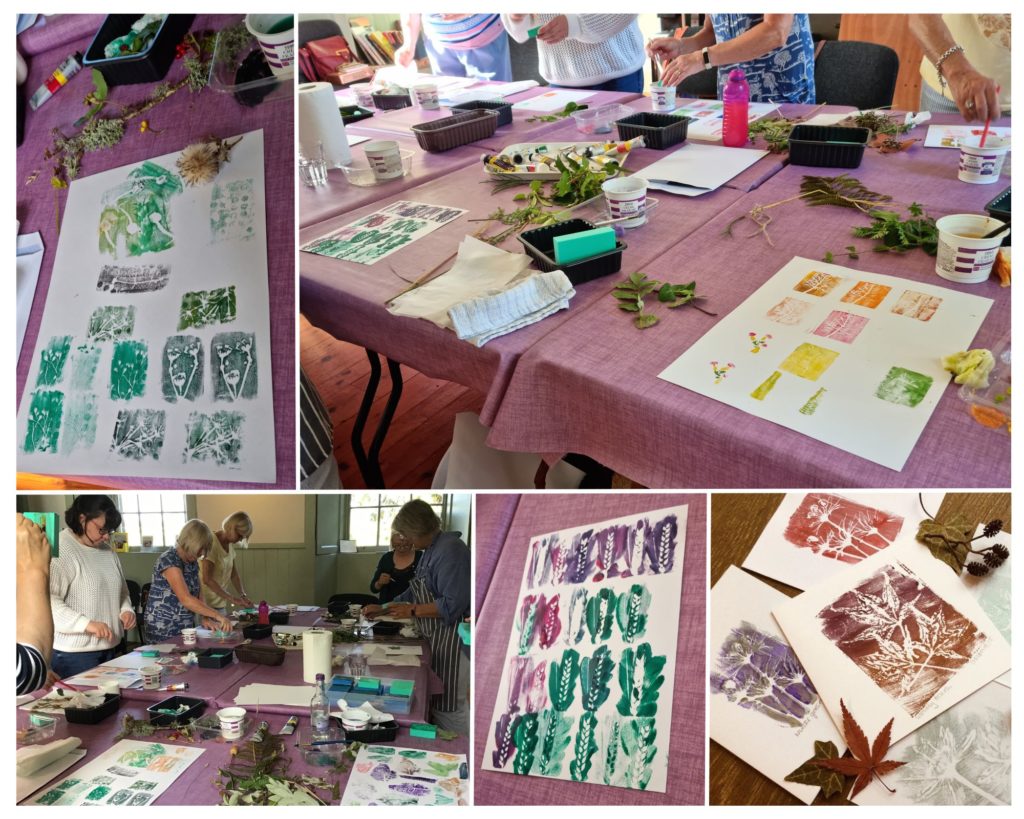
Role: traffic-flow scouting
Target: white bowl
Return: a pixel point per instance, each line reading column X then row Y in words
column 362, row 175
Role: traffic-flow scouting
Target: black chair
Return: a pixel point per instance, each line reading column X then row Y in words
column 143, row 599
column 135, row 593
column 339, row 603
column 523, row 57
column 849, row 72
column 702, row 85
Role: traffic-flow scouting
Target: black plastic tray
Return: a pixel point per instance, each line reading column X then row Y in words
column 387, row 629
column 814, row 145
column 195, row 709
column 999, row 208
column 150, row 65
column 391, row 102
column 660, row 131
column 502, row 109
column 353, row 113
column 257, row 631
column 539, row 244
column 90, row 716
column 279, row 618
column 216, row 658
column 384, row 732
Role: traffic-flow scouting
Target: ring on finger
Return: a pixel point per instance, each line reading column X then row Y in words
column 970, row 103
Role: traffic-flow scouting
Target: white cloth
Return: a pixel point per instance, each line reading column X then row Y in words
column 485, row 318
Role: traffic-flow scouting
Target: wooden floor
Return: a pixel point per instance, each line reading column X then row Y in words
column 422, row 427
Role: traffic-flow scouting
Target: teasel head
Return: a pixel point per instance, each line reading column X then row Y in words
column 199, row 163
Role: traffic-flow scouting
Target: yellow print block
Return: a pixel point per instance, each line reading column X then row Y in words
column 809, row 361
column 816, row 283
column 867, row 294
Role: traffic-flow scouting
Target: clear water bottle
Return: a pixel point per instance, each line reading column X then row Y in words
column 736, row 105
column 320, row 711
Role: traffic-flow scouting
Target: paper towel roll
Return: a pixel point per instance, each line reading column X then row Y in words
column 319, row 121
column 316, row 654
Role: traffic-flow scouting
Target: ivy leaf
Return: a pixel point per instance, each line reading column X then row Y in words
column 810, row 773
column 866, row 762
column 949, row 543
column 645, row 320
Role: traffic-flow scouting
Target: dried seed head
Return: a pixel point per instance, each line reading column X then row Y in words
column 977, row 569
column 1001, row 550
column 992, row 528
column 199, row 164
column 992, row 560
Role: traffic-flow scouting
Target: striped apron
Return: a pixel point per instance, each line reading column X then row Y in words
column 445, row 651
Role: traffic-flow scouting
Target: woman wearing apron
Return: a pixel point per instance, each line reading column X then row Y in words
column 438, row 598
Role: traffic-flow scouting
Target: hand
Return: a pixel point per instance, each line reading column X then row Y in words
column 33, row 548
column 975, row 95
column 100, row 631
column 517, row 18
column 405, row 53
column 400, row 610
column 383, row 580
column 664, row 48
column 247, row 602
column 128, row 619
column 683, row 66
column 370, row 612
column 554, row 31
column 222, row 623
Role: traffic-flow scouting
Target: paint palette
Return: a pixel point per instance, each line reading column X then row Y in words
column 530, row 151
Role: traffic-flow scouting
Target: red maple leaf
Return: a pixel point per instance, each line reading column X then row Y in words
column 866, row 762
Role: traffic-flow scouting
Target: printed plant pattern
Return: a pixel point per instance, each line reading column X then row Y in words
column 959, row 760
column 538, row 617
column 182, row 368
column 84, row 362
column 44, row 421
column 200, row 308
column 601, row 615
column 595, row 676
column 904, row 387
column 562, row 679
column 809, row 361
column 79, row 422
column 139, row 434
column 143, row 278
column 811, row 406
column 816, row 283
column 840, row 529
column 640, row 679
column 579, row 562
column 789, row 311
column 760, row 672
column 231, row 211
column 866, row 294
column 916, row 305
column 766, row 386
column 757, row 342
column 555, row 736
column 720, row 371
column 216, row 437
column 234, row 366
column 369, row 239
column 108, row 323
column 906, row 638
column 638, row 749
column 841, row 326
column 128, row 370
column 135, row 215
column 526, row 743
column 631, row 612
column 577, row 622
column 51, row 361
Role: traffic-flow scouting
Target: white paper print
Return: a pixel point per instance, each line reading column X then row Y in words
column 764, row 707
column 153, row 355
column 855, row 366
column 949, row 136
column 896, row 636
column 994, row 591
column 586, row 687
column 813, row 535
column 385, row 775
column 130, row 773
column 961, row 757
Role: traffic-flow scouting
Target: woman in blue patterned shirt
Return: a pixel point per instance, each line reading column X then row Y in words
column 174, row 597
column 775, row 51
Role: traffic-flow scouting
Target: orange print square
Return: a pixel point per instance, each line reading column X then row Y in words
column 817, row 283
column 866, row 294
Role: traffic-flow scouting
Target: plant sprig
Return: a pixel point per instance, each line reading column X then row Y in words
column 775, row 133
column 631, row 293
column 570, row 107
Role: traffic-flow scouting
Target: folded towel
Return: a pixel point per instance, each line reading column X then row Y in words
column 34, row 758
column 485, row 318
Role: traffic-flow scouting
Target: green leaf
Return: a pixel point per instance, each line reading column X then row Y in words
column 666, row 293
column 645, row 320
column 630, row 307
column 100, row 82
column 830, row 782
column 828, row 257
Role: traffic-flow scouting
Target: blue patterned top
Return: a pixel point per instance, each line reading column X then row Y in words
column 165, row 615
column 783, row 75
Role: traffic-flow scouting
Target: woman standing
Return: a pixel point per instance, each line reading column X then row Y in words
column 88, row 594
column 218, row 565
column 395, row 570
column 438, row 597
column 174, row 596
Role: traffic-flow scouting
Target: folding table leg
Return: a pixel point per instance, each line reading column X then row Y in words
column 369, row 461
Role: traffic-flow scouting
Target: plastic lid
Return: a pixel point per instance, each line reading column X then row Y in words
column 319, row 677
column 737, row 75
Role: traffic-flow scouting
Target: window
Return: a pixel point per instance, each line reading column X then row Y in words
column 370, row 515
column 159, row 515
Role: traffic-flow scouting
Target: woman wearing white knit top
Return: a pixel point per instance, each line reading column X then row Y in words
column 600, row 51
column 88, row 594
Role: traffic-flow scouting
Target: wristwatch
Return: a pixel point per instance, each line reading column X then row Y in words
column 706, row 56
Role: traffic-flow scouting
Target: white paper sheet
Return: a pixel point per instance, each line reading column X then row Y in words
column 858, row 377
column 353, row 139
column 994, row 591
column 813, row 535
column 896, row 636
column 385, row 775
column 586, row 687
column 263, row 694
column 27, row 785
column 706, row 116
column 554, row 100
column 157, row 329
column 949, row 136
column 126, row 674
column 764, row 707
column 30, row 257
column 705, row 167
column 130, row 773
column 308, row 608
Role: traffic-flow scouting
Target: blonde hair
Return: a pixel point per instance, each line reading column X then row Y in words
column 239, row 523
column 417, row 518
column 195, row 538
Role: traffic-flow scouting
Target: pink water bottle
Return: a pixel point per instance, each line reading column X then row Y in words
column 263, row 618
column 736, row 103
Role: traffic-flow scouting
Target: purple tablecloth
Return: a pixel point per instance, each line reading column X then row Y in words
column 347, row 299
column 494, row 514
column 540, row 513
column 596, row 375
column 204, row 683
column 181, row 120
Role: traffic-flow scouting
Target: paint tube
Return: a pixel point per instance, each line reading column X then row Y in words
column 500, row 163
column 60, row 76
column 288, row 727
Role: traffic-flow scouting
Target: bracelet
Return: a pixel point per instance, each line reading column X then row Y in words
column 949, row 52
column 706, row 56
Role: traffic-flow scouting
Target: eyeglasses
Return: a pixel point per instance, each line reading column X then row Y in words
column 103, row 530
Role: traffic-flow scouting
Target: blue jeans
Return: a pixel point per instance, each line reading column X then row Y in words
column 490, row 62
column 630, row 82
column 68, row 663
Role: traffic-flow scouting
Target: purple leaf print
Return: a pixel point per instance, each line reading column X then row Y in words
column 611, row 546
column 557, row 559
column 550, row 622
column 536, row 554
column 527, row 620
column 661, row 545
column 382, row 772
column 410, row 788
column 577, row 616
column 580, row 561
column 504, row 741
column 537, row 690
column 635, row 551
column 519, row 669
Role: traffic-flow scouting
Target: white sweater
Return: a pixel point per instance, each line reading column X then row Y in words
column 598, row 48
column 86, row 583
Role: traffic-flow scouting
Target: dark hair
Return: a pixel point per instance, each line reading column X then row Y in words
column 92, row 506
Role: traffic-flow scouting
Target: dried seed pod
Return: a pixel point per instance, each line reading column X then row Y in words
column 977, row 569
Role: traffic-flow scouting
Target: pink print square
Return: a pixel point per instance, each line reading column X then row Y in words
column 841, row 326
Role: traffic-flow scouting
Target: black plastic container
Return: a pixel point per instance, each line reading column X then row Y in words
column 999, row 208
column 461, row 128
column 387, row 629
column 502, row 109
column 90, row 716
column 353, row 113
column 391, row 102
column 216, row 658
column 539, row 244
column 816, row 145
column 279, row 618
column 195, row 709
column 384, row 732
column 150, row 65
column 262, row 655
column 257, row 631
column 660, row 131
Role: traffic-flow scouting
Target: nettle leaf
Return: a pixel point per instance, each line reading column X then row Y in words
column 810, row 773
column 645, row 320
